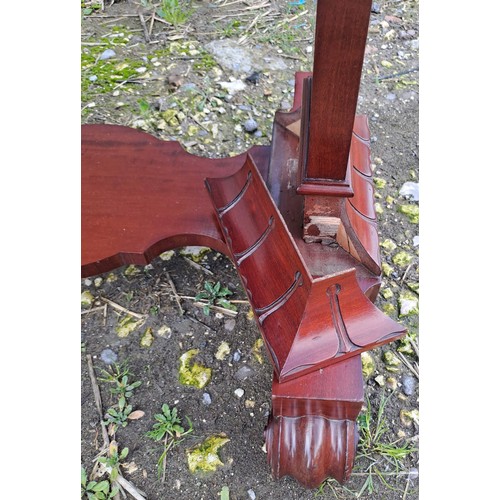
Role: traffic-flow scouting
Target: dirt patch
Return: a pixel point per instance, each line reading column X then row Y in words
column 176, row 88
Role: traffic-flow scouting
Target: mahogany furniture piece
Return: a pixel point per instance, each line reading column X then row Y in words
column 297, row 219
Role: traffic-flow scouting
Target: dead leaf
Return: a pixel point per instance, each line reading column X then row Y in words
column 136, row 415
column 393, row 19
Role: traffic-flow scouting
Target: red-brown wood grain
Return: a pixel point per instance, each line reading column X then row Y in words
column 306, row 323
column 142, row 196
column 341, row 29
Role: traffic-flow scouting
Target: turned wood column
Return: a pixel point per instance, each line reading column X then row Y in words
column 330, row 97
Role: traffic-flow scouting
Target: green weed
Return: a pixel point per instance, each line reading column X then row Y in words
column 172, row 12
column 119, row 376
column 120, row 415
column 168, row 429
column 385, row 459
column 215, row 295
column 93, row 490
column 113, row 461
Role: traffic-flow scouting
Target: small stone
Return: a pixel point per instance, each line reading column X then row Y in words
column 194, row 253
column 239, row 392
column 237, row 356
column 243, row 373
column 413, row 473
column 380, row 380
column 92, row 78
column 250, row 125
column 408, row 304
column 409, row 384
column 392, row 383
column 109, row 356
column 233, row 87
column 376, row 8
column 164, row 331
column 257, row 133
column 390, row 96
column 98, row 282
column 409, row 416
column 415, row 241
column 206, row 399
column 107, row 54
column 251, row 494
column 230, row 324
column 222, row 351
column 410, row 190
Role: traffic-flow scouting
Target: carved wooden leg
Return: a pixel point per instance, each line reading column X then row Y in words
column 312, row 432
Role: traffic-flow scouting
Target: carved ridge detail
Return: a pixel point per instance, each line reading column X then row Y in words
column 264, row 312
column 241, row 256
column 345, row 343
column 302, row 447
column 226, row 208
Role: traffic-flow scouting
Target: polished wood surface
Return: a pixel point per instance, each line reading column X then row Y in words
column 306, row 323
column 312, row 431
column 135, row 205
column 341, row 29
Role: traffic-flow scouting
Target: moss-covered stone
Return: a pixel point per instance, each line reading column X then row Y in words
column 204, row 457
column 126, row 325
column 367, row 365
column 193, row 374
column 147, row 338
column 379, row 182
column 391, row 361
column 411, row 211
column 223, row 351
column 256, row 350
column 402, row 259
column 194, row 253
column 87, row 298
column 388, row 245
column 408, row 304
column 131, row 270
column 387, row 269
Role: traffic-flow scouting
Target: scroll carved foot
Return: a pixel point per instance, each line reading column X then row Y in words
column 312, row 432
column 311, row 448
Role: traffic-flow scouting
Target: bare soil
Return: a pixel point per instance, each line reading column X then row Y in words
column 209, row 122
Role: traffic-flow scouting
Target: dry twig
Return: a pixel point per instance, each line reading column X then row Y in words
column 176, row 295
column 197, row 266
column 144, row 28
column 408, row 364
column 120, row 308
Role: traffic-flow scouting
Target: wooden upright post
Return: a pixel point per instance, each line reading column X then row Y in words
column 330, row 96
